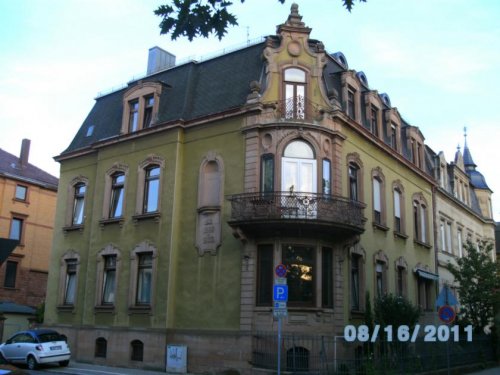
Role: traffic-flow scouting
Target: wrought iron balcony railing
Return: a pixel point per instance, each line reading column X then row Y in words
column 283, row 206
column 298, row 108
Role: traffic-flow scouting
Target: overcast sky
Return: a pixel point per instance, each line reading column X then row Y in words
column 438, row 60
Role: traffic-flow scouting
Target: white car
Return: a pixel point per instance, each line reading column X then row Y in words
column 34, row 347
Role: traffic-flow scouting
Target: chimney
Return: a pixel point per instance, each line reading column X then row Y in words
column 159, row 59
column 25, row 153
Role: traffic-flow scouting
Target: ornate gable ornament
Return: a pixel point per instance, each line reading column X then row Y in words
column 294, row 22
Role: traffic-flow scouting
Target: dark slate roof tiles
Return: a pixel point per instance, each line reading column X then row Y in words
column 193, row 90
column 10, row 167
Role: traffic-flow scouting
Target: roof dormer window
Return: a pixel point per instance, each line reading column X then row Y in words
column 133, row 124
column 141, row 107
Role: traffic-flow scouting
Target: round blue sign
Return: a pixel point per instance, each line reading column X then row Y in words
column 447, row 314
column 281, row 270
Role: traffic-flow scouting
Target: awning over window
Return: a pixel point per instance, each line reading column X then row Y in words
column 7, row 246
column 426, row 274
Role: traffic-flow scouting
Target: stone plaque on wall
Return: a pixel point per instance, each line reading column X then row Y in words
column 208, row 231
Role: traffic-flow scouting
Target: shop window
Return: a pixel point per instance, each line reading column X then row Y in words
column 302, row 275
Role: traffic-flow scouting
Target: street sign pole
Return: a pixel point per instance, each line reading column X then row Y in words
column 280, row 297
column 279, row 345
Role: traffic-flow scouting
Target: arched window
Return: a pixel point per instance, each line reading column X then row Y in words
column 68, row 282
column 113, row 208
column 75, row 203
column 117, row 188
column 140, row 106
column 355, row 177
column 297, row 359
column 379, row 211
column 354, row 182
column 143, row 260
column 136, row 350
column 101, row 347
column 295, row 93
column 151, row 188
column 420, row 219
column 150, row 174
column 298, row 168
column 78, row 203
column 108, row 262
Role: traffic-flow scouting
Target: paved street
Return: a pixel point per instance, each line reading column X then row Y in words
column 76, row 368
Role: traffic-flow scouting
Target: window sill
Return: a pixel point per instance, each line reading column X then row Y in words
column 400, row 235
column 104, row 309
column 423, row 244
column 114, row 220
column 140, row 309
column 26, row 202
column 148, row 216
column 380, row 226
column 73, row 228
column 357, row 314
column 292, row 309
column 67, row 308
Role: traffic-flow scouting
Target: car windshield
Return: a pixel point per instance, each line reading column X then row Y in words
column 50, row 336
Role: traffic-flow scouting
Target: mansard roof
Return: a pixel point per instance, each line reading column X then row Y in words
column 190, row 91
column 477, row 179
column 468, row 162
column 195, row 91
column 10, row 167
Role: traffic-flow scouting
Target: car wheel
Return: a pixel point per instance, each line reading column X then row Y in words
column 31, row 362
column 3, row 361
column 64, row 363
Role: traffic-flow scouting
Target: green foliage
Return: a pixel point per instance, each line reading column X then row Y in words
column 368, row 346
column 193, row 18
column 478, row 279
column 396, row 311
column 40, row 311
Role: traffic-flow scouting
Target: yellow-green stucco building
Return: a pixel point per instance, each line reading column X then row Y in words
column 181, row 194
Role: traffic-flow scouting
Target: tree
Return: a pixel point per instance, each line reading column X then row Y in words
column 391, row 310
column 478, row 279
column 193, row 18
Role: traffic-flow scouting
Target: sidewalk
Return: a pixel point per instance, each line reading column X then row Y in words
column 79, row 368
column 488, row 371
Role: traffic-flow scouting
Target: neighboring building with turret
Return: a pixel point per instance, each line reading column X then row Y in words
column 463, row 210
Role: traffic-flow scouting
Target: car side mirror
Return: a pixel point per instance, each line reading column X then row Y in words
column 8, row 342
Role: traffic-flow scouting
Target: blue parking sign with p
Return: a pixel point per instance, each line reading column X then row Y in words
column 280, row 293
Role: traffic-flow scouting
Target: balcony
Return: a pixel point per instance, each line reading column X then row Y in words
column 297, row 109
column 296, row 214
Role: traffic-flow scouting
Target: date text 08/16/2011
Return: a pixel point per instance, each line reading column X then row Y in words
column 404, row 333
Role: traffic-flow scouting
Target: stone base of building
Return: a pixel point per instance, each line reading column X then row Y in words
column 212, row 352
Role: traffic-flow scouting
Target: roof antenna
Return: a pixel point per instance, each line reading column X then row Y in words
column 248, row 35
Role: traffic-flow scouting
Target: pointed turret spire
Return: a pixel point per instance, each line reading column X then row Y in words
column 468, row 162
column 476, row 178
